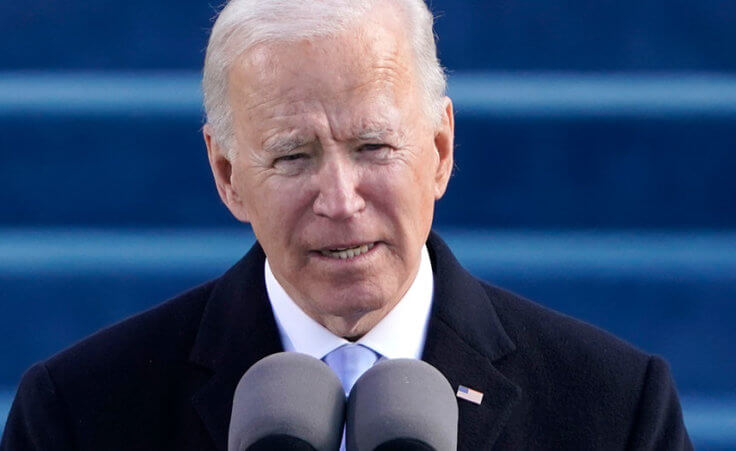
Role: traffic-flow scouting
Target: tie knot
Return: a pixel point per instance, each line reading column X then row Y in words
column 349, row 362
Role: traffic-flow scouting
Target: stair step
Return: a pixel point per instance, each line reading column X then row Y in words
column 670, row 293
column 536, row 151
column 519, row 35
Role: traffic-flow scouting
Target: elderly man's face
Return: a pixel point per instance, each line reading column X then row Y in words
column 337, row 167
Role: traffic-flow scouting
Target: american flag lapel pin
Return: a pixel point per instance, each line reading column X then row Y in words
column 469, row 394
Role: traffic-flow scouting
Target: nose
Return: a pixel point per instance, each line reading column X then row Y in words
column 338, row 196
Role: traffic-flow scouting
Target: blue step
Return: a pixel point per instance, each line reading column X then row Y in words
column 668, row 293
column 539, row 151
column 501, row 35
column 580, row 35
column 165, row 34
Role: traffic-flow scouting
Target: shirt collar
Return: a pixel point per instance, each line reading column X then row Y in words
column 400, row 334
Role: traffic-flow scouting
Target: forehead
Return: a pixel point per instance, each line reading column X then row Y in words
column 363, row 72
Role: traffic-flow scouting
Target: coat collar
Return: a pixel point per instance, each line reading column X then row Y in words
column 464, row 336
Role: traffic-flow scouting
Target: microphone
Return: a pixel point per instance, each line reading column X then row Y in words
column 402, row 404
column 287, row 401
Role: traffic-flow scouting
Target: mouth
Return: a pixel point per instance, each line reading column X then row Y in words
column 344, row 253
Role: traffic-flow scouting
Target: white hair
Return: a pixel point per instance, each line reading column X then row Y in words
column 243, row 24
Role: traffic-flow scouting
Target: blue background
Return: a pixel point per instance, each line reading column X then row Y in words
column 595, row 172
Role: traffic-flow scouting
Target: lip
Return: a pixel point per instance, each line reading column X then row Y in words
column 343, row 246
column 318, row 253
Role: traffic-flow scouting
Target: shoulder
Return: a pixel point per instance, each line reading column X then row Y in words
column 571, row 372
column 569, row 367
column 113, row 383
column 537, row 329
column 153, row 338
column 579, row 360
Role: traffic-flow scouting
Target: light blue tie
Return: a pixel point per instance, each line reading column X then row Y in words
column 349, row 362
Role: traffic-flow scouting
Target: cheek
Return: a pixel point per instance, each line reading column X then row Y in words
column 414, row 178
column 402, row 192
column 276, row 206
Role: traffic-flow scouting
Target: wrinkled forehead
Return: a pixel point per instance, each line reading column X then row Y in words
column 369, row 60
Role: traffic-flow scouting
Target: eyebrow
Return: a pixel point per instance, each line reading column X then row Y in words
column 374, row 131
column 284, row 144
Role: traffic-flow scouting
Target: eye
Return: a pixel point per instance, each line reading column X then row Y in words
column 290, row 157
column 374, row 146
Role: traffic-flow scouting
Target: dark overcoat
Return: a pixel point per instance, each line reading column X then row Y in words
column 164, row 379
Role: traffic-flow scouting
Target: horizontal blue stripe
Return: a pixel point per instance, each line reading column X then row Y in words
column 654, row 255
column 100, row 94
column 681, row 255
column 6, row 399
column 71, row 252
column 499, row 94
column 561, row 95
column 710, row 420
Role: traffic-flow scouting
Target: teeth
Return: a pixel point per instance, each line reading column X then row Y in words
column 345, row 253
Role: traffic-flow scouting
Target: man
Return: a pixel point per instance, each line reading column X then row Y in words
column 329, row 132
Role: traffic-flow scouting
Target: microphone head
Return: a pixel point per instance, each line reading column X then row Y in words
column 291, row 399
column 402, row 404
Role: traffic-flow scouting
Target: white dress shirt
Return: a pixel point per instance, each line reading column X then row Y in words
column 400, row 334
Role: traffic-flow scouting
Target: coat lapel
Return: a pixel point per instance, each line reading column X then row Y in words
column 464, row 337
column 237, row 329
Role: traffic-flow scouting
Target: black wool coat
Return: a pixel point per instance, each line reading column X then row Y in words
column 164, row 379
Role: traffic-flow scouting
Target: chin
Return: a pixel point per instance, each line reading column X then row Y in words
column 354, row 302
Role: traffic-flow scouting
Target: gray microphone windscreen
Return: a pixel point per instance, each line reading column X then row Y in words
column 402, row 401
column 288, row 396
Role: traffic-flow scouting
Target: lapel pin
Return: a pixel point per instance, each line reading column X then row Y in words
column 469, row 394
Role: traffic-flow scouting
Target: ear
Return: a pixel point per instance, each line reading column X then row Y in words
column 222, row 170
column 444, row 142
